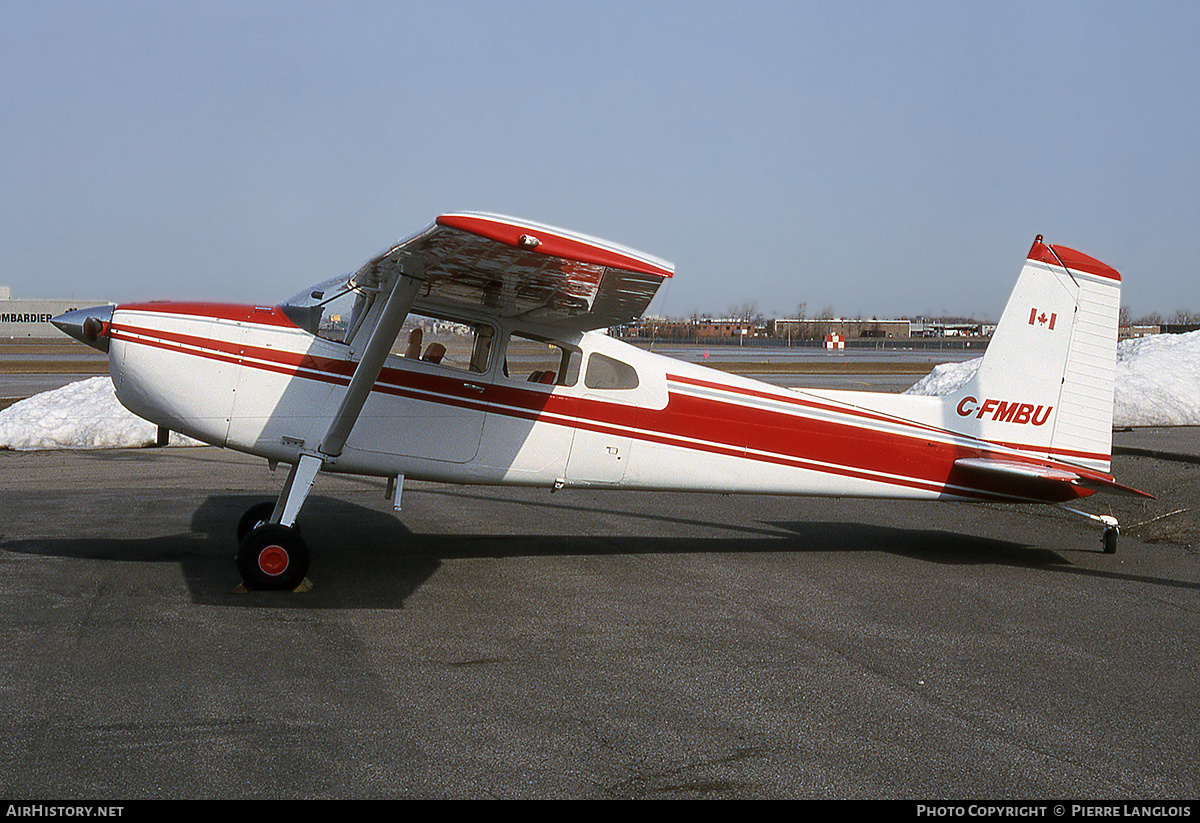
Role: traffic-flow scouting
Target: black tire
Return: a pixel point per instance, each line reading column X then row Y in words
column 1110, row 541
column 273, row 558
column 257, row 515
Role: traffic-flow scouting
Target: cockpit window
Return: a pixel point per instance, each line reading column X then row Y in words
column 444, row 342
column 604, row 372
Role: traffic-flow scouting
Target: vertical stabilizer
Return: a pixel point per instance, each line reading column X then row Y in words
column 1045, row 385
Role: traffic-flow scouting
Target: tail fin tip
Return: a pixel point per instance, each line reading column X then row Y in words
column 1071, row 259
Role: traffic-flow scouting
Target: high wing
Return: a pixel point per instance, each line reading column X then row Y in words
column 515, row 268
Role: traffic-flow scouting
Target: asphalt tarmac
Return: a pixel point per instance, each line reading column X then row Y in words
column 518, row 643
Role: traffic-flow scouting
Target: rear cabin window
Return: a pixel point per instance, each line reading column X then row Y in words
column 604, row 372
column 538, row 360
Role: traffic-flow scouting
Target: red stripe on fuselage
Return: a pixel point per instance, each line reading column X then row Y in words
column 236, row 312
column 917, row 429
column 803, row 402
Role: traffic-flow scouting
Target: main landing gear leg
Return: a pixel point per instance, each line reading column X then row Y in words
column 272, row 555
column 1112, row 530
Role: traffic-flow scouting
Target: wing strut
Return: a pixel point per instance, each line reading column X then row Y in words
column 404, row 293
column 304, row 471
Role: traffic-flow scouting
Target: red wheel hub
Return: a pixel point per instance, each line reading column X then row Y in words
column 273, row 560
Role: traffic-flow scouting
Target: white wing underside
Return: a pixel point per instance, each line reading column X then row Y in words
column 512, row 268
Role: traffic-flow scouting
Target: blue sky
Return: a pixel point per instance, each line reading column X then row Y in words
column 873, row 158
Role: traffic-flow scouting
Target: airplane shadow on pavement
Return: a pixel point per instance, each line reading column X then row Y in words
column 366, row 558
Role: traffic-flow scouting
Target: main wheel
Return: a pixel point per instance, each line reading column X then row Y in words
column 273, row 557
column 1110, row 540
column 257, row 515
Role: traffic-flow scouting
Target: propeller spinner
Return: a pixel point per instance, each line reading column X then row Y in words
column 87, row 325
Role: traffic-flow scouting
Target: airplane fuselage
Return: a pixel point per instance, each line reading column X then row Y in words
column 248, row 378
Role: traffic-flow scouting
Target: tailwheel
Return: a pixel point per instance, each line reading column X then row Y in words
column 1112, row 529
column 273, row 557
column 1110, row 539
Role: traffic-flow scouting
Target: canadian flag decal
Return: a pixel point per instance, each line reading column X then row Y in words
column 1037, row 318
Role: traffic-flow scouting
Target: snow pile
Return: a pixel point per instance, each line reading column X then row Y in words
column 946, row 378
column 82, row 415
column 1158, row 380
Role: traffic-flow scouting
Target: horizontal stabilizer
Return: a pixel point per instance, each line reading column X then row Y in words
column 1022, row 472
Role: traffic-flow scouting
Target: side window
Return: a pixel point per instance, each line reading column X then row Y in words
column 603, row 372
column 465, row 346
column 536, row 360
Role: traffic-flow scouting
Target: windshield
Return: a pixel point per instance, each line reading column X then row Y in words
column 326, row 309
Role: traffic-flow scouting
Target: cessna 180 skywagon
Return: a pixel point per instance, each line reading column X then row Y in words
column 471, row 352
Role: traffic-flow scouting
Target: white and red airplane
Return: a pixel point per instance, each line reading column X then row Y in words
column 469, row 353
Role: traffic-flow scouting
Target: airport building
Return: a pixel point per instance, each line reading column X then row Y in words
column 30, row 319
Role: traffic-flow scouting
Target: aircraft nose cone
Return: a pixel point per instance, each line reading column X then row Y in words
column 87, row 325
